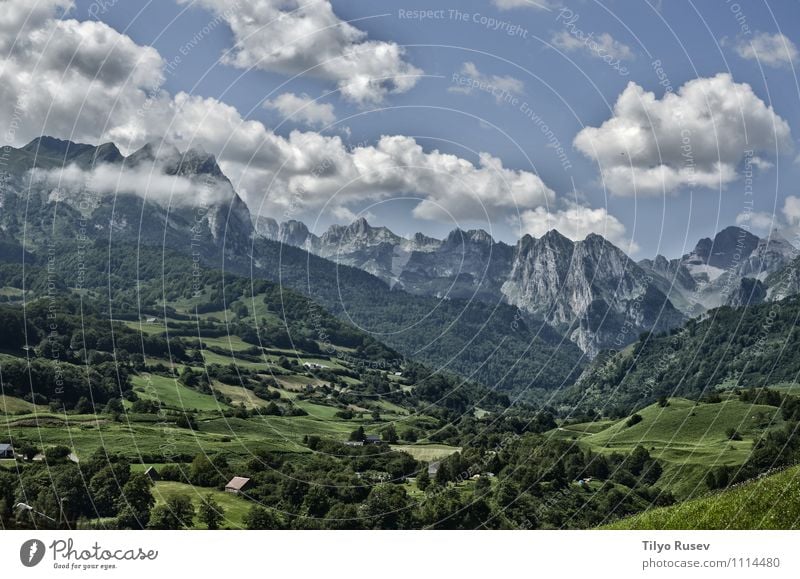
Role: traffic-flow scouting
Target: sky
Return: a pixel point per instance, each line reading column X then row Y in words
column 651, row 123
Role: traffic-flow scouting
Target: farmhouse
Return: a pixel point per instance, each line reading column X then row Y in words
column 6, row 451
column 372, row 439
column 433, row 467
column 237, row 484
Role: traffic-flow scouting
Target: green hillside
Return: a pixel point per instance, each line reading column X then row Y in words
column 751, row 347
column 688, row 438
column 772, row 502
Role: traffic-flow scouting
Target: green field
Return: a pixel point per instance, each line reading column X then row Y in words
column 772, row 502
column 172, row 394
column 240, row 395
column 149, row 439
column 11, row 405
column 234, row 507
column 234, row 343
column 427, row 452
column 224, row 360
column 688, row 438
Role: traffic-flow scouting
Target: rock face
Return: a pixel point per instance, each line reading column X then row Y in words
column 713, row 274
column 590, row 290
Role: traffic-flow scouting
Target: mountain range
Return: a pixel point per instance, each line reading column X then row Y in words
column 520, row 317
column 589, row 290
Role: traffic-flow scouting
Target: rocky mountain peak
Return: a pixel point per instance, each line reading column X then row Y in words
column 293, row 232
column 106, row 153
column 421, row 241
column 52, row 147
column 588, row 289
column 661, row 263
column 459, row 237
column 360, row 226
column 265, row 226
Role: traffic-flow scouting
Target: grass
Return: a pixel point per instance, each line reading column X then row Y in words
column 11, row 291
column 286, row 431
column 145, row 442
column 688, row 438
column 240, row 395
column 145, row 328
column 12, row 405
column 173, row 394
column 427, row 452
column 234, row 507
column 772, row 502
column 298, row 382
column 214, row 358
column 228, row 342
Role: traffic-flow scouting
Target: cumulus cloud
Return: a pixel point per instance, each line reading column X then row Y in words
column 535, row 4
column 758, row 221
column 302, row 109
column 307, row 38
column 775, row 50
column 785, row 223
column 470, row 79
column 71, row 78
column 577, row 221
column 296, row 174
column 791, row 209
column 693, row 138
column 601, row 46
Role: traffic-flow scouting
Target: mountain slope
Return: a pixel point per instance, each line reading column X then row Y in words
column 772, row 502
column 495, row 344
column 746, row 347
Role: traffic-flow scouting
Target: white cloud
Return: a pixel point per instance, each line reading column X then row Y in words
column 791, row 210
column 276, row 175
column 761, row 164
column 576, row 222
column 601, row 46
column 302, row 109
column 758, row 221
column 70, row 78
column 693, row 138
column 774, row 50
column 307, row 38
column 470, row 79
column 149, row 181
column 535, row 4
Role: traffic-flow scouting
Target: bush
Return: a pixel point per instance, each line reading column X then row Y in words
column 634, row 419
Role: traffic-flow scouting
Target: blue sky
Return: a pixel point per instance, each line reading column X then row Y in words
column 532, row 62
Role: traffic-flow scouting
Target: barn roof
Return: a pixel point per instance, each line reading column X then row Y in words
column 237, row 483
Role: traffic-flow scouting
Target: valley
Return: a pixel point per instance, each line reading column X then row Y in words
column 358, row 379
